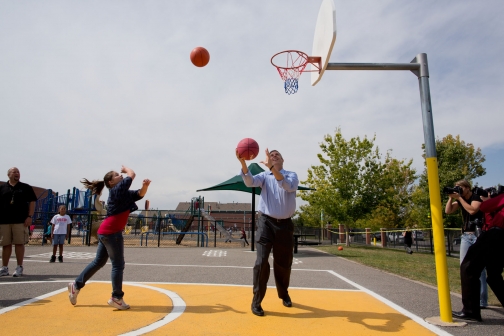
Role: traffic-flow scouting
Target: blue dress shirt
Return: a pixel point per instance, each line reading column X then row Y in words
column 278, row 198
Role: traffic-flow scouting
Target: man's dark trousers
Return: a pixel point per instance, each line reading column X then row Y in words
column 276, row 234
column 487, row 252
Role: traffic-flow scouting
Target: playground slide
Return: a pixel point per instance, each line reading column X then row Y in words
column 185, row 229
column 173, row 228
column 219, row 227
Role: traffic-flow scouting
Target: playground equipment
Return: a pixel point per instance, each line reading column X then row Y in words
column 78, row 203
column 88, row 211
column 218, row 226
column 176, row 225
column 191, row 213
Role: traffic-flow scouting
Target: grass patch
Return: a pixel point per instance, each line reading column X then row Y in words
column 417, row 266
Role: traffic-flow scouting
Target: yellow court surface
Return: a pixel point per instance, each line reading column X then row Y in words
column 196, row 309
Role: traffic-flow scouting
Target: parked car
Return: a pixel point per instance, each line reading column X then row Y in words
column 396, row 237
column 373, row 235
column 418, row 235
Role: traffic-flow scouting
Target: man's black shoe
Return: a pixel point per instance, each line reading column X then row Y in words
column 466, row 316
column 257, row 310
column 287, row 301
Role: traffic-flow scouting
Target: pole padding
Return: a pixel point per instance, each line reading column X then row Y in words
column 439, row 241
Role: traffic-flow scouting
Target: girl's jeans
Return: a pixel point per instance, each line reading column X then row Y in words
column 109, row 246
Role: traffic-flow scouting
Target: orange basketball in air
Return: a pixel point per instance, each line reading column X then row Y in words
column 247, row 149
column 200, row 56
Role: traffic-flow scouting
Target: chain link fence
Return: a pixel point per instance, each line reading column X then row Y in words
column 195, row 228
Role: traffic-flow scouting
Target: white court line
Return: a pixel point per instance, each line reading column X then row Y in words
column 24, row 303
column 179, row 305
column 181, row 283
column 201, row 266
column 389, row 303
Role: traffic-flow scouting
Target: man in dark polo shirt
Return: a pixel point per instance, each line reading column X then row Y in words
column 17, row 204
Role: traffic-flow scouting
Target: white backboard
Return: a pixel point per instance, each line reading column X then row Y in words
column 325, row 36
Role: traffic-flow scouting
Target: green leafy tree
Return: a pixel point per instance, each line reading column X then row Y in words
column 354, row 185
column 457, row 160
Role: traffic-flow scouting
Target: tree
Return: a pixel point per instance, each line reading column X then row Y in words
column 353, row 183
column 457, row 160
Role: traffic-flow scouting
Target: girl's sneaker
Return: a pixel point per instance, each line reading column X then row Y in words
column 72, row 293
column 118, row 303
column 4, row 271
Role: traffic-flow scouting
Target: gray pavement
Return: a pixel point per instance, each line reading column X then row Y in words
column 311, row 269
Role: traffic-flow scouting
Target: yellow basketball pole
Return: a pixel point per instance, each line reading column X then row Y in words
column 420, row 68
column 434, row 191
column 439, row 241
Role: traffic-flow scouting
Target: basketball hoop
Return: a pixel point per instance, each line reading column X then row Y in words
column 296, row 61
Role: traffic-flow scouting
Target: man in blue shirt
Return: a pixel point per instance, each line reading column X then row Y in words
column 274, row 228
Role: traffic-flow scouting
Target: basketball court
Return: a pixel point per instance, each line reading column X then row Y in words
column 203, row 291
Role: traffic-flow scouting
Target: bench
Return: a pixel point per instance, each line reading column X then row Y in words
column 302, row 242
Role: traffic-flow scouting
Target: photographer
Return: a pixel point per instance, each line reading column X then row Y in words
column 469, row 203
column 488, row 251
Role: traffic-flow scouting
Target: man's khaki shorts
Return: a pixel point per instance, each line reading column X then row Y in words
column 13, row 234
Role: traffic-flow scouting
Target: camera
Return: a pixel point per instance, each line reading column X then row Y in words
column 488, row 192
column 475, row 226
column 454, row 190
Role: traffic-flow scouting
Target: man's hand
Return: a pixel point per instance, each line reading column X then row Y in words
column 485, row 198
column 266, row 161
column 28, row 221
column 123, row 169
column 242, row 161
column 146, row 182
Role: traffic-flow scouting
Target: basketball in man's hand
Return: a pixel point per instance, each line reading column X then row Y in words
column 247, row 149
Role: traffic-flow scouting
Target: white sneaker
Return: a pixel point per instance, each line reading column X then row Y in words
column 18, row 272
column 72, row 293
column 118, row 303
column 4, row 271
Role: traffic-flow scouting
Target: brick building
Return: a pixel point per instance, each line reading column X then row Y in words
column 235, row 215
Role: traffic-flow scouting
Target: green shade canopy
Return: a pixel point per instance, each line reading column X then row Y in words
column 236, row 183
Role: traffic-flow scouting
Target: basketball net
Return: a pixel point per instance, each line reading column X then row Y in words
column 296, row 62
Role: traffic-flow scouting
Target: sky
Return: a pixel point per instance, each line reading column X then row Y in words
column 88, row 86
